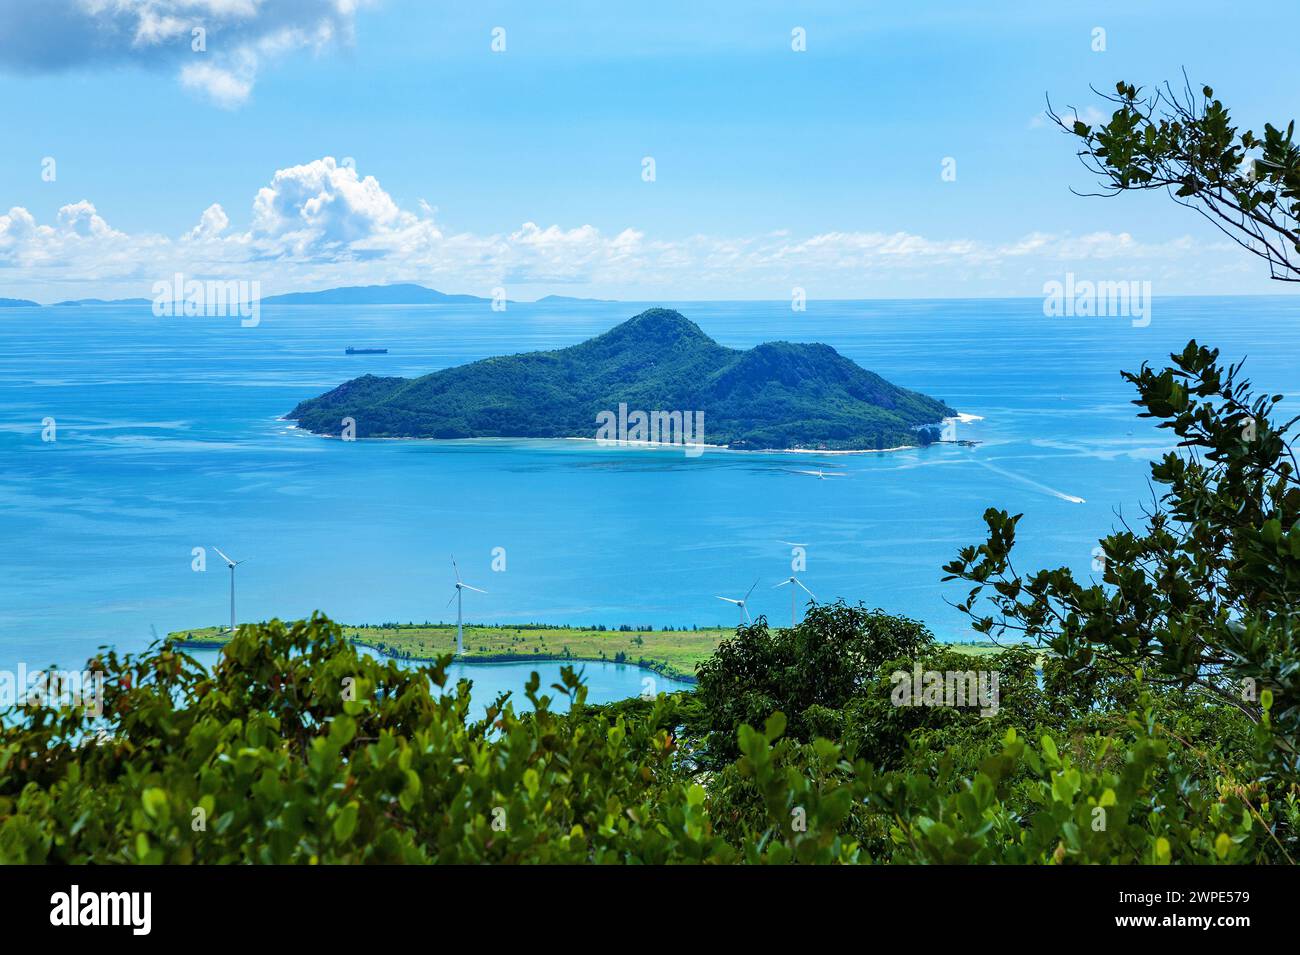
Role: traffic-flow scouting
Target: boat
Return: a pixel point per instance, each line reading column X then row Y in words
column 365, row 351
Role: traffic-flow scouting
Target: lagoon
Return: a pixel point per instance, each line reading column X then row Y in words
column 606, row 682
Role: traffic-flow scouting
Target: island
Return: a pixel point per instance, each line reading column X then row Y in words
column 400, row 294
column 572, row 300
column 78, row 302
column 778, row 395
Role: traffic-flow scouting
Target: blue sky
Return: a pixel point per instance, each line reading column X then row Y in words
column 773, row 167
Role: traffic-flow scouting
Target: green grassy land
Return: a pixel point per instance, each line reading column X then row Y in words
column 673, row 653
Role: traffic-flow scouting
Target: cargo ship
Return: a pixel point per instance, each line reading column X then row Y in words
column 365, row 351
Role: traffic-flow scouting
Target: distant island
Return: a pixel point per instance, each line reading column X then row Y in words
column 73, row 303
column 778, row 395
column 570, row 300
column 402, row 294
column 406, row 293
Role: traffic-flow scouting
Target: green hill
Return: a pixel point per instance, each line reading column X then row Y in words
column 777, row 395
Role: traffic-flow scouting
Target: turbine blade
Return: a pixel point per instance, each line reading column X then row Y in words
column 751, row 590
column 475, row 589
column 747, row 616
column 809, row 592
column 784, row 583
column 731, row 601
column 454, row 568
column 453, row 597
column 223, row 556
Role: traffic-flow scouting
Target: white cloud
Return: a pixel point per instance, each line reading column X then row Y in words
column 221, row 86
column 321, row 223
column 217, row 47
column 77, row 233
column 323, row 210
column 212, row 223
column 81, row 219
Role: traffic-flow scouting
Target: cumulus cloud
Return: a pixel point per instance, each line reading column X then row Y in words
column 212, row 223
column 78, row 231
column 322, row 223
column 325, row 210
column 215, row 47
column 81, row 219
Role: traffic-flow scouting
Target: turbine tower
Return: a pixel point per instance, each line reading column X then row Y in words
column 743, row 604
column 460, row 586
column 232, row 564
column 797, row 583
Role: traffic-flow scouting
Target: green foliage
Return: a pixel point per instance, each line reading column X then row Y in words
column 777, row 395
column 299, row 750
column 1186, row 143
column 892, row 736
column 823, row 662
column 1126, row 798
column 1201, row 599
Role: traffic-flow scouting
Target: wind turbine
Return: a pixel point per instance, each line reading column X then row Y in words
column 232, row 564
column 742, row 604
column 460, row 586
column 798, row 583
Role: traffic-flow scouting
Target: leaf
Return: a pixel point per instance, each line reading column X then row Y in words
column 342, row 730
column 1222, row 845
column 1163, row 853
column 774, row 729
column 154, row 801
column 345, row 823
column 410, row 793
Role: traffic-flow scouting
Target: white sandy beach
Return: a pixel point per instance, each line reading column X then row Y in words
column 961, row 418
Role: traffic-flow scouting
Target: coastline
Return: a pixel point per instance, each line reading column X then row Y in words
column 960, row 418
column 673, row 654
column 670, row 653
column 660, row 667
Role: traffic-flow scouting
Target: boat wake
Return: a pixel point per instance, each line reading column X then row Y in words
column 1034, row 484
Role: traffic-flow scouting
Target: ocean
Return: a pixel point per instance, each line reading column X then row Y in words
column 168, row 437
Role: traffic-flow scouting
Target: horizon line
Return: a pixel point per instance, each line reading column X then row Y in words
column 586, row 300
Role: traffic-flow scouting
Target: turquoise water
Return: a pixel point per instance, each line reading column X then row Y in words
column 169, row 438
column 605, row 681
